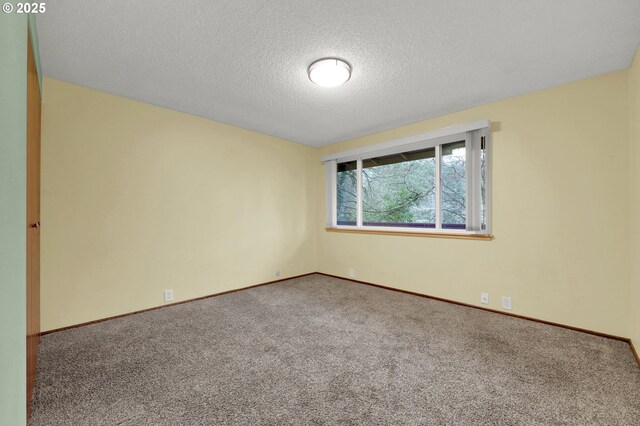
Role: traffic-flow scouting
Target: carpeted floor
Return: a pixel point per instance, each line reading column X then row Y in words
column 318, row 350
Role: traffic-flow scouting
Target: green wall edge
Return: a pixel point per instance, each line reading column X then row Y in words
column 35, row 45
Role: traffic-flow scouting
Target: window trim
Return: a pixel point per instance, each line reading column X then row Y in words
column 407, row 144
column 473, row 133
column 407, row 232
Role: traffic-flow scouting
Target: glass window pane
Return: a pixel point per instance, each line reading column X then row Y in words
column 399, row 190
column 454, row 186
column 347, row 193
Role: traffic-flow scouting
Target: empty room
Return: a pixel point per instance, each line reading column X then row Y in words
column 233, row 212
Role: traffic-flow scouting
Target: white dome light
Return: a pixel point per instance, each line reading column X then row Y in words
column 329, row 72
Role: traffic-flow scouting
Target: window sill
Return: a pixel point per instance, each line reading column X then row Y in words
column 403, row 233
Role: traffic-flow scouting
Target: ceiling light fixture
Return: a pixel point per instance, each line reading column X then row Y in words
column 329, row 72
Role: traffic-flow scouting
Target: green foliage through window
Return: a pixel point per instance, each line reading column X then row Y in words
column 347, row 194
column 399, row 189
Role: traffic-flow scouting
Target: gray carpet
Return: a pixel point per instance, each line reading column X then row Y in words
column 318, row 350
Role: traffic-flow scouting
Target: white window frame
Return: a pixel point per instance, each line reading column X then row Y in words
column 472, row 133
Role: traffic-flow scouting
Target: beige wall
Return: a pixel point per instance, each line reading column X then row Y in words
column 634, row 138
column 560, row 213
column 137, row 199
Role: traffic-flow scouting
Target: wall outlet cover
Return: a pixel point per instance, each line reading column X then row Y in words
column 484, row 298
column 168, row 295
column 506, row 302
column 352, row 273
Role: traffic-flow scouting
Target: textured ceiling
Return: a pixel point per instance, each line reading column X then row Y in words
column 244, row 62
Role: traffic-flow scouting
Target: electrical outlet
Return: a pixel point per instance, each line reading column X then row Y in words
column 277, row 274
column 352, row 273
column 484, row 298
column 506, row 302
column 168, row 295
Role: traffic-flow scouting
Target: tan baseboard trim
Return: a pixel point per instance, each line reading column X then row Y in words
column 170, row 304
column 495, row 311
column 635, row 352
column 555, row 324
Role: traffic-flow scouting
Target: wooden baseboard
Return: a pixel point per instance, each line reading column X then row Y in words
column 171, row 304
column 635, row 351
column 495, row 311
column 555, row 324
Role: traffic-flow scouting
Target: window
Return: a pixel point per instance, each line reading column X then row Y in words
column 435, row 182
column 347, row 191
